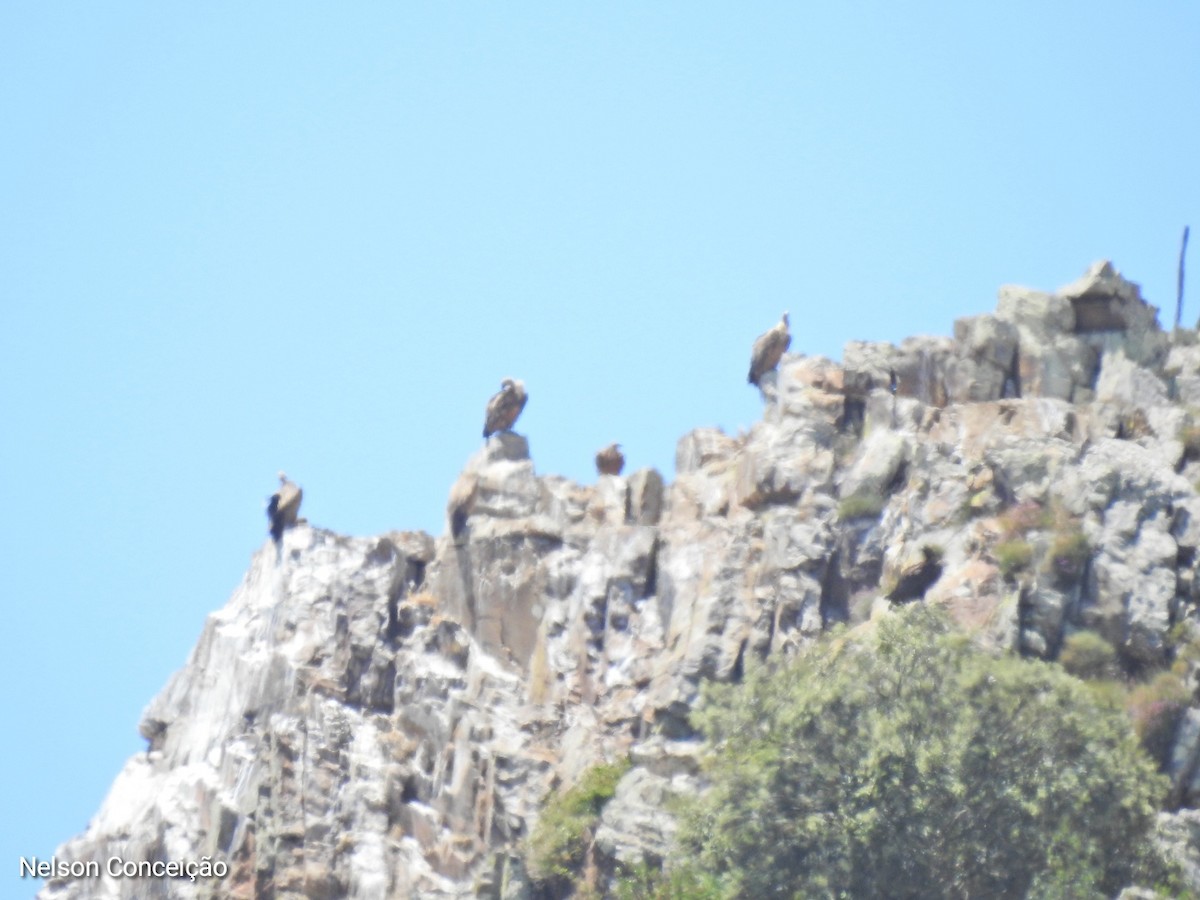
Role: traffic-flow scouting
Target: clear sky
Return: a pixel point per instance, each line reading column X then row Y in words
column 237, row 238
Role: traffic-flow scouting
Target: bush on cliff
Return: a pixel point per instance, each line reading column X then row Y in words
column 904, row 762
column 1088, row 656
column 558, row 847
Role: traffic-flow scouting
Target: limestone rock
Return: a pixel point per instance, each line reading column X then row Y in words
column 633, row 828
column 880, row 465
column 984, row 366
column 918, row 363
column 1124, row 383
column 1182, row 370
column 809, row 388
column 1131, row 589
column 647, row 494
column 1035, row 312
column 1110, row 313
column 778, row 464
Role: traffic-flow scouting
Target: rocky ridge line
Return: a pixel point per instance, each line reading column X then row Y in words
column 383, row 717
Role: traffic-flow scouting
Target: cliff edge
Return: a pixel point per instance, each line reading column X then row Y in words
column 384, row 717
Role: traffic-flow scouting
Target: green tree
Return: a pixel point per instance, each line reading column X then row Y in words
column 904, row 762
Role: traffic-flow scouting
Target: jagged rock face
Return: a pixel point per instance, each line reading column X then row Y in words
column 321, row 738
column 384, row 717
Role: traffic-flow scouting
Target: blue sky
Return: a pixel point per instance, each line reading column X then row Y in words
column 237, row 238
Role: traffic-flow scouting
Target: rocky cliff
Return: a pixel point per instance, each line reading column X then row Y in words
column 384, row 717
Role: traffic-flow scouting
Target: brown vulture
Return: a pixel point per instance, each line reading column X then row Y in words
column 769, row 349
column 504, row 407
column 610, row 460
column 283, row 507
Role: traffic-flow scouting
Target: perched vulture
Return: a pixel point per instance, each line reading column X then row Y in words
column 769, row 349
column 610, row 460
column 283, row 507
column 504, row 407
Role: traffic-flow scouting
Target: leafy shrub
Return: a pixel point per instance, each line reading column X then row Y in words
column 1087, row 655
column 904, row 762
column 558, row 846
column 646, row 882
column 861, row 505
column 1068, row 555
column 1013, row 556
column 1156, row 709
column 1110, row 693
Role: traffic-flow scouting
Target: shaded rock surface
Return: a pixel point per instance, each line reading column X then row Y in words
column 384, row 717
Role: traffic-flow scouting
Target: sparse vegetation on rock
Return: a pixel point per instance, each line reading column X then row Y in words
column 1089, row 656
column 1155, row 706
column 1067, row 557
column 1013, row 557
column 559, row 844
column 862, row 505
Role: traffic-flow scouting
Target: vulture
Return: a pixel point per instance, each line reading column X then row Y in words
column 610, row 460
column 769, row 349
column 504, row 407
column 283, row 507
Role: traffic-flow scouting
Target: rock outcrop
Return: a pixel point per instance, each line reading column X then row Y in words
column 384, row 717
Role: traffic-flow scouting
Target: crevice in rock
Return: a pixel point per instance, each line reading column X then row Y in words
column 1096, row 313
column 738, row 672
column 674, row 722
column 415, row 577
column 395, row 628
column 383, row 697
column 1094, row 375
column 651, row 587
column 408, row 790
column 914, row 582
column 264, row 874
column 227, row 823
column 402, row 621
column 1011, row 390
column 1024, row 618
column 854, row 412
column 458, row 522
column 595, row 617
column 898, row 479
column 834, row 593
